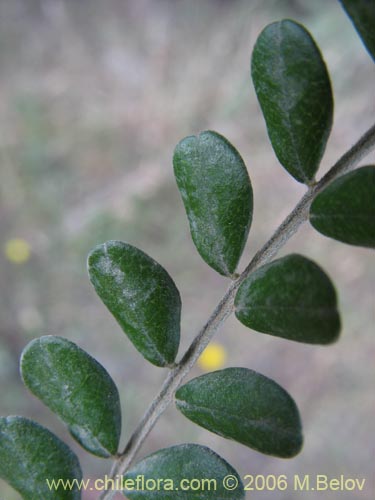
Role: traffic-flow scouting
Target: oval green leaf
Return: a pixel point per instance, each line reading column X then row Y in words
column 218, row 198
column 345, row 210
column 362, row 15
column 77, row 388
column 141, row 296
column 291, row 298
column 179, row 470
column 243, row 405
column 294, row 91
column 31, row 456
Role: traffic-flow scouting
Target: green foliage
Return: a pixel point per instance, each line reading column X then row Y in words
column 294, row 92
column 345, row 210
column 77, row 388
column 362, row 15
column 30, row 454
column 187, row 462
column 291, row 298
column 141, row 296
column 245, row 406
column 218, row 198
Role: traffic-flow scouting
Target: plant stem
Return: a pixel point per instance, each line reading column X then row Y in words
column 226, row 306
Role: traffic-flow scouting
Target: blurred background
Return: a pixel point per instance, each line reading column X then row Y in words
column 93, row 98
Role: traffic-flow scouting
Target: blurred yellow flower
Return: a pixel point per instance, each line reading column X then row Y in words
column 213, row 357
column 17, row 250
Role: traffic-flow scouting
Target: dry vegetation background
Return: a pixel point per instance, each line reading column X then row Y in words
column 94, row 95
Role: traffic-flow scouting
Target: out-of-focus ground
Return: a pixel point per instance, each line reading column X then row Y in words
column 94, row 96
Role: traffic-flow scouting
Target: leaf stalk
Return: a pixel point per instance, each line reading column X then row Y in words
column 225, row 307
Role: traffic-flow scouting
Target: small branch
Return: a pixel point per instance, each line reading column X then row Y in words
column 226, row 306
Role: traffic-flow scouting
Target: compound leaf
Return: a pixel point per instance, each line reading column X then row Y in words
column 31, row 455
column 240, row 404
column 181, row 468
column 218, row 198
column 141, row 296
column 77, row 388
column 362, row 15
column 294, row 91
column 292, row 298
column 345, row 210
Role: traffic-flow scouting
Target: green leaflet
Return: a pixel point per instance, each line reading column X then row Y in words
column 141, row 296
column 187, row 463
column 218, row 198
column 345, row 210
column 31, row 454
column 294, row 91
column 77, row 388
column 292, row 298
column 362, row 15
column 246, row 406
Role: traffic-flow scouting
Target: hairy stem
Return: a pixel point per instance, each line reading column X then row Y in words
column 226, row 306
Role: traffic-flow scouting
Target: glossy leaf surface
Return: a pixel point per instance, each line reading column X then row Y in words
column 362, row 15
column 294, row 91
column 77, row 388
column 292, row 298
column 345, row 210
column 218, row 198
column 31, row 454
column 245, row 406
column 180, row 468
column 141, row 296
